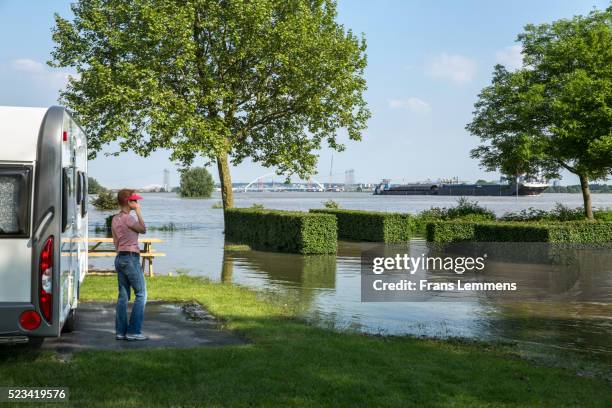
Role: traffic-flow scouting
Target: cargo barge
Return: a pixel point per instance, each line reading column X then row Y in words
column 461, row 189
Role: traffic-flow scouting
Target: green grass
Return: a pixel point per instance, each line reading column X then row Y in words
column 289, row 363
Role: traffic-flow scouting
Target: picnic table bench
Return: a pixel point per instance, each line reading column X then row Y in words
column 147, row 254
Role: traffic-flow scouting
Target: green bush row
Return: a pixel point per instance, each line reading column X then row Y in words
column 358, row 225
column 554, row 232
column 283, row 231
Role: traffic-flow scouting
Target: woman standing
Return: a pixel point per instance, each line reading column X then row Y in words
column 125, row 230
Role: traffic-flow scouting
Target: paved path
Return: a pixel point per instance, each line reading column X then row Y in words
column 166, row 325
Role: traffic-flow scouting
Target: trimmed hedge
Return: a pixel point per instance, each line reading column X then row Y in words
column 283, row 231
column 374, row 226
column 555, row 232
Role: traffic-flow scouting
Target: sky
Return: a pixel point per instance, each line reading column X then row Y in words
column 427, row 62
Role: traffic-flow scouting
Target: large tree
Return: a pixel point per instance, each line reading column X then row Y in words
column 553, row 113
column 196, row 182
column 220, row 79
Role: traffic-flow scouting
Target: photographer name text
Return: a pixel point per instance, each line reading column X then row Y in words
column 425, row 285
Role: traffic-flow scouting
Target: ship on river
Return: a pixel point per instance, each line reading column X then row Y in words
column 453, row 187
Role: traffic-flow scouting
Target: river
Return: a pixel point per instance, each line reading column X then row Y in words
column 326, row 289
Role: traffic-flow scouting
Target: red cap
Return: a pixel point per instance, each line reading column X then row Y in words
column 134, row 197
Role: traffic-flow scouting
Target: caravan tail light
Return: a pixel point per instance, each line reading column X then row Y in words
column 45, row 299
column 29, row 320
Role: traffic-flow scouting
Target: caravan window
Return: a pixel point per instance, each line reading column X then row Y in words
column 14, row 202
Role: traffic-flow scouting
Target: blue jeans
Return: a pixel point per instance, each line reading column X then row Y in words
column 129, row 275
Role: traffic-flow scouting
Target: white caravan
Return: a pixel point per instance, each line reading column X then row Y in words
column 43, row 222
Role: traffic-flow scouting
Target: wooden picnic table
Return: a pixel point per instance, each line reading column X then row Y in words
column 146, row 254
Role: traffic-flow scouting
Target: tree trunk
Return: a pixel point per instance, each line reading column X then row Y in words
column 227, row 269
column 586, row 196
column 227, row 195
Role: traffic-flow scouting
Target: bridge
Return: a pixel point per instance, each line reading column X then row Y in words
column 259, row 184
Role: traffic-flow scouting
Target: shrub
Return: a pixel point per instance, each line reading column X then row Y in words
column 358, row 225
column 93, row 187
column 331, row 204
column 529, row 214
column 465, row 207
column 563, row 213
column 560, row 212
column 108, row 222
column 475, row 218
column 106, row 226
column 465, row 210
column 554, row 232
column 283, row 231
column 256, row 206
column 106, row 200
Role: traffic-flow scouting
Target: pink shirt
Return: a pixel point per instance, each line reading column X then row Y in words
column 126, row 239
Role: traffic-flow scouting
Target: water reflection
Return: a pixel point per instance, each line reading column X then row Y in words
column 299, row 278
column 543, row 271
column 313, row 271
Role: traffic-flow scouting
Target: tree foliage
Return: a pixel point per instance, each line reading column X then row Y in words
column 93, row 187
column 553, row 113
column 196, row 182
column 106, row 200
column 265, row 79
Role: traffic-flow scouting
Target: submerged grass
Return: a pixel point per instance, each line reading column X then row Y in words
column 236, row 247
column 290, row 363
column 165, row 227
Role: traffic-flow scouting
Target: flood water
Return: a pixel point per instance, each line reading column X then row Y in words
column 327, row 289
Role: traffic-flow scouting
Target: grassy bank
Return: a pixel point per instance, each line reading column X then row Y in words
column 289, row 363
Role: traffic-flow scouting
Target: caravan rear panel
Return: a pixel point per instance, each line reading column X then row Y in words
column 43, row 203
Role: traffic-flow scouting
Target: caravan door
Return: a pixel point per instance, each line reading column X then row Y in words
column 69, row 244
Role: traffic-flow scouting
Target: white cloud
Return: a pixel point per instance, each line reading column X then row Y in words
column 28, row 65
column 39, row 71
column 511, row 57
column 412, row 104
column 457, row 68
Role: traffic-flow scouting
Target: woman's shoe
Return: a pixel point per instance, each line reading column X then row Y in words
column 136, row 337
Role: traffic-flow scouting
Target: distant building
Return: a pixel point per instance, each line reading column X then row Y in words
column 349, row 177
column 153, row 188
column 166, row 184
